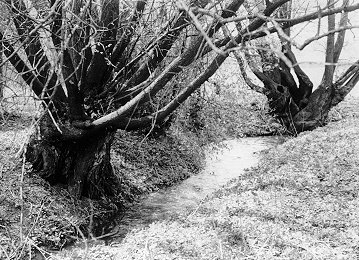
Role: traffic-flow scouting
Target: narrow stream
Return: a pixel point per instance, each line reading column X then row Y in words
column 221, row 166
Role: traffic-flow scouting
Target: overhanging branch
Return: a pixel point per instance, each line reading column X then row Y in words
column 20, row 66
column 175, row 67
column 285, row 23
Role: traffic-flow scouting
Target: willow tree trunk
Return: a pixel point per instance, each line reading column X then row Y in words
column 317, row 109
column 83, row 166
column 295, row 105
column 294, row 102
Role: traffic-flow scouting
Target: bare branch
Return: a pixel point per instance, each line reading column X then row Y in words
column 109, row 21
column 248, row 81
column 329, row 54
column 127, row 33
column 159, row 49
column 289, row 23
column 347, row 74
column 26, row 73
column 171, row 106
column 185, row 59
column 183, row 6
column 57, row 22
column 341, row 35
column 317, row 37
column 345, row 83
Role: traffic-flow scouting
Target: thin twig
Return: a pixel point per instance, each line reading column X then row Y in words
column 317, row 37
column 54, row 121
column 199, row 27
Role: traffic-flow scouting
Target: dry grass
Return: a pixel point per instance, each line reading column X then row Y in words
column 36, row 218
column 32, row 214
column 301, row 202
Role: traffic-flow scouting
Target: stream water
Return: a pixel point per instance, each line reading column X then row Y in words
column 221, row 166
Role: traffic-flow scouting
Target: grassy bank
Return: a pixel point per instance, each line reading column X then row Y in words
column 35, row 215
column 301, row 202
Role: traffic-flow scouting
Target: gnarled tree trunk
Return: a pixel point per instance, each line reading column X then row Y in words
column 296, row 105
column 103, row 80
column 83, row 165
column 107, row 63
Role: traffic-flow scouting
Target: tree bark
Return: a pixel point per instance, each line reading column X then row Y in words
column 104, row 78
column 83, row 166
column 297, row 106
column 316, row 111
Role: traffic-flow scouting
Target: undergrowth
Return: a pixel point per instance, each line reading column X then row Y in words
column 146, row 164
column 36, row 217
column 301, row 202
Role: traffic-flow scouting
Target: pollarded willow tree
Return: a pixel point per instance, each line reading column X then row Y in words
column 99, row 65
column 295, row 103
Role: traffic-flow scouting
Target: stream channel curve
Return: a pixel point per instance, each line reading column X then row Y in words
column 220, row 167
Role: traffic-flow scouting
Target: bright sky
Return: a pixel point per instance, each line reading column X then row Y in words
column 312, row 57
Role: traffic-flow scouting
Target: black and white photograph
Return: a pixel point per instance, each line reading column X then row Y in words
column 179, row 130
